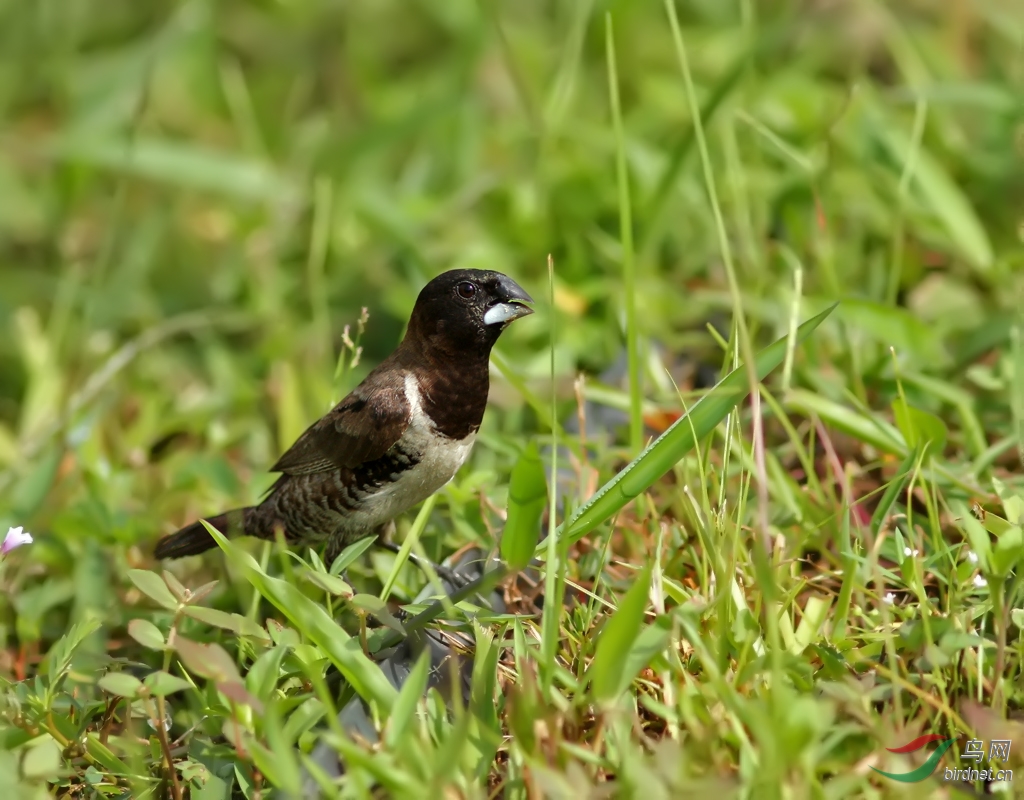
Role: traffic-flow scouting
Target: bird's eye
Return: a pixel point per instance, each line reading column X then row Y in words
column 466, row 290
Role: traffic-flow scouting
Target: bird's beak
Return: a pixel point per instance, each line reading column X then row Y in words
column 509, row 306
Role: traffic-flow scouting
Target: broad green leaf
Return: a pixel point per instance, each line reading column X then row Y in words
column 527, row 494
column 120, row 683
column 236, row 623
column 177, row 587
column 163, row 683
column 331, row 584
column 153, row 586
column 60, row 655
column 235, row 691
column 874, row 431
column 208, row 660
column 42, row 760
column 265, row 671
column 350, row 554
column 1013, row 503
column 919, row 427
column 344, row 652
column 1008, row 551
column 681, row 437
column 104, row 755
column 650, row 643
column 607, row 670
column 953, row 641
column 895, row 327
column 147, row 634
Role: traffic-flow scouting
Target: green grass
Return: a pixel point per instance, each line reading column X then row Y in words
column 197, row 200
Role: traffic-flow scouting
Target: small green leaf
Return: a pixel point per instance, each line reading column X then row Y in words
column 1013, row 503
column 208, row 660
column 121, row 683
column 236, row 623
column 350, row 554
column 894, row 327
column 236, row 691
column 104, row 756
column 995, row 524
column 331, row 584
column 147, row 634
column 650, row 642
column 954, row 641
column 163, row 683
column 815, row 615
column 264, row 673
column 527, row 495
column 60, row 655
column 202, row 591
column 42, row 760
column 153, row 586
column 345, row 653
column 1008, row 551
column 920, row 428
column 607, row 670
column 177, row 588
column 975, row 532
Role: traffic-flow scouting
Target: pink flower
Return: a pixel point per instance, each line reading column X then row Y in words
column 15, row 537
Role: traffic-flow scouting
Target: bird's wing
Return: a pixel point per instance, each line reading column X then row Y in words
column 362, row 427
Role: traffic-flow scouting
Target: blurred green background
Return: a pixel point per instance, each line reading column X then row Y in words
column 196, row 198
column 274, row 167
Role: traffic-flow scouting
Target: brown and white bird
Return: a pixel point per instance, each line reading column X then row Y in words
column 397, row 438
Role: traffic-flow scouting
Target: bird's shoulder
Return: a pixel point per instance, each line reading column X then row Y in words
column 360, row 428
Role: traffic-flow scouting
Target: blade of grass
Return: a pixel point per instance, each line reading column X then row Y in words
column 554, row 574
column 345, row 653
column 681, row 437
column 636, row 421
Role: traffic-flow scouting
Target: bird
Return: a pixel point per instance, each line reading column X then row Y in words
column 395, row 439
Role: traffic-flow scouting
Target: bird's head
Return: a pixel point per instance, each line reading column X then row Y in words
column 465, row 310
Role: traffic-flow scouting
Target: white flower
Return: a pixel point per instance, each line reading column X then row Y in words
column 908, row 552
column 889, row 598
column 980, row 581
column 972, row 556
column 15, row 537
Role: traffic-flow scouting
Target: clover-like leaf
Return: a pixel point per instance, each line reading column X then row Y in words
column 151, row 585
column 147, row 634
column 120, row 683
column 163, row 683
column 208, row 660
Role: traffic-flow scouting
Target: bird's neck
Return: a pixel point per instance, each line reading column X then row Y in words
column 453, row 387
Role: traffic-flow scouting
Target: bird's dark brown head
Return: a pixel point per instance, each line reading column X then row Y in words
column 463, row 311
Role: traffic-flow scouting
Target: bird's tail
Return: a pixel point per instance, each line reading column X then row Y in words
column 195, row 539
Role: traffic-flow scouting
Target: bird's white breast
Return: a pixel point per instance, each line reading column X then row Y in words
column 439, row 460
